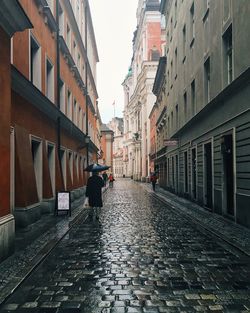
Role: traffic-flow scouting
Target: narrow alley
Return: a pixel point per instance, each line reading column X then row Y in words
column 141, row 257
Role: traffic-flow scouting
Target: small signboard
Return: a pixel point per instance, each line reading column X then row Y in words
column 63, row 203
column 168, row 142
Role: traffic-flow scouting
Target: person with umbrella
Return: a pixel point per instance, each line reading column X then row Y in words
column 153, row 179
column 94, row 188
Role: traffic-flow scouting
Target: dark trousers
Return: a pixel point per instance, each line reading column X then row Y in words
column 153, row 185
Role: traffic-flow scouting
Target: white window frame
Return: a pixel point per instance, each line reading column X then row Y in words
column 52, row 165
column 38, row 165
column 62, row 97
column 69, row 104
column 50, row 80
column 63, row 163
column 36, row 76
column 70, row 158
column 61, row 21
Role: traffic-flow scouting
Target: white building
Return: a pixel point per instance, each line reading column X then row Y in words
column 138, row 84
column 116, row 124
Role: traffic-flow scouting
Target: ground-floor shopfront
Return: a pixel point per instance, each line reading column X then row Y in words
column 211, row 163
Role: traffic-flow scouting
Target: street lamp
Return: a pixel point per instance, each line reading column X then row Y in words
column 86, row 142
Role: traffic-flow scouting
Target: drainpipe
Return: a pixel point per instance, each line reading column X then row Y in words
column 86, row 79
column 58, row 86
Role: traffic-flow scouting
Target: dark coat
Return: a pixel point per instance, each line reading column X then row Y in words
column 94, row 190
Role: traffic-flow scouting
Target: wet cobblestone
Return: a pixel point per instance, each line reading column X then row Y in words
column 141, row 257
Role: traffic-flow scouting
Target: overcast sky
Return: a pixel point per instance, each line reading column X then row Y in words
column 114, row 22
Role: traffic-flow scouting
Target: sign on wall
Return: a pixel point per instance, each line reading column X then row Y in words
column 63, row 203
column 168, row 142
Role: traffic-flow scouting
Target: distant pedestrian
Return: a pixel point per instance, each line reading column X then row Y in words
column 105, row 178
column 153, row 179
column 111, row 180
column 94, row 193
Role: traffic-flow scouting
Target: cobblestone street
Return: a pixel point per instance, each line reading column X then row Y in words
column 141, row 257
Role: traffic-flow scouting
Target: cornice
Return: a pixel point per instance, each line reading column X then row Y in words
column 237, row 85
column 13, row 17
column 77, row 33
column 22, row 86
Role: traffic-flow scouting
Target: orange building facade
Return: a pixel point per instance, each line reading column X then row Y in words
column 50, row 120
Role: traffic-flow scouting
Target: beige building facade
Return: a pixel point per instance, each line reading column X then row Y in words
column 207, row 104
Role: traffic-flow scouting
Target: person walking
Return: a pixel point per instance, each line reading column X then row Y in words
column 105, row 178
column 111, row 180
column 153, row 180
column 94, row 193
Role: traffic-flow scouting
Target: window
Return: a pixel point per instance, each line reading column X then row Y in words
column 171, row 74
column 176, row 116
column 206, row 25
column 51, row 160
column 176, row 62
column 84, row 122
column 69, row 105
column 68, row 37
column 62, row 96
column 184, row 39
column 71, row 165
column 79, row 61
column 61, row 21
column 193, row 108
column 63, row 163
column 50, row 88
column 77, row 165
column 155, row 54
column 192, row 28
column 35, row 63
column 77, row 11
column 207, row 81
column 206, row 6
column 36, row 149
column 75, row 112
column 171, row 28
column 228, row 55
column 175, row 12
column 80, row 118
column 172, row 121
column 74, row 51
column 185, row 105
column 185, row 172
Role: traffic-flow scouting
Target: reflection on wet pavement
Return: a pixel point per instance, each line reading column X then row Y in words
column 141, row 257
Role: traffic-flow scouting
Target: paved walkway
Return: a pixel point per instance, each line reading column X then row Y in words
column 143, row 256
column 225, row 228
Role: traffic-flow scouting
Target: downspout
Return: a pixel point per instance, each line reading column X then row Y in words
column 86, row 79
column 58, row 87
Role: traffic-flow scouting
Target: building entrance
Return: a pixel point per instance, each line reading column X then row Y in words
column 208, row 183
column 194, row 173
column 228, row 179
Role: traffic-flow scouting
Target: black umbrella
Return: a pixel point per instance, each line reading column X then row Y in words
column 95, row 167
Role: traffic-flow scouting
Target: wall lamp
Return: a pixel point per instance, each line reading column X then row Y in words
column 86, row 143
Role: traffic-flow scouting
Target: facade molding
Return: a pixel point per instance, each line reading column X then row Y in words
column 234, row 87
column 80, row 42
column 13, row 17
column 28, row 91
